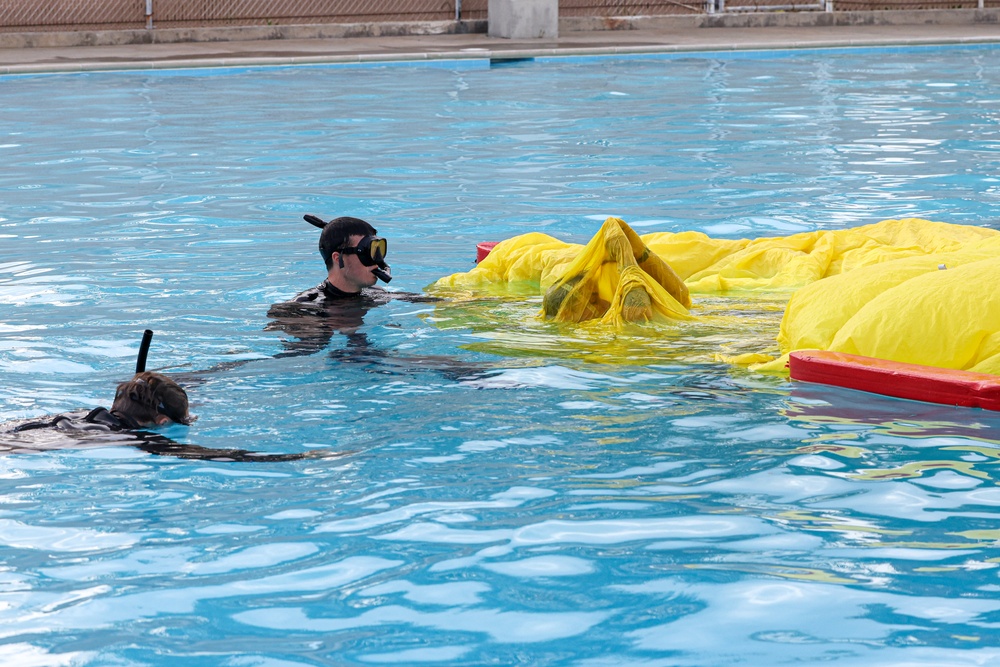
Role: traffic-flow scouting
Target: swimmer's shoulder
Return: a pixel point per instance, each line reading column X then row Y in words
column 66, row 430
column 311, row 295
column 300, row 304
column 62, row 421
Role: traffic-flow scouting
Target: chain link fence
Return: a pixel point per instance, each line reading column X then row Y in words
column 186, row 13
column 625, row 8
column 37, row 15
column 27, row 15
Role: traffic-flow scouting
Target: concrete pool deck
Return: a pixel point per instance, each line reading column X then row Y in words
column 220, row 49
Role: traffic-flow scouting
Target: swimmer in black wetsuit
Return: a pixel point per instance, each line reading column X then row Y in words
column 148, row 400
column 355, row 261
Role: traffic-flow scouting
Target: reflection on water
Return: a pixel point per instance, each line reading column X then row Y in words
column 724, row 326
column 579, row 500
column 965, row 449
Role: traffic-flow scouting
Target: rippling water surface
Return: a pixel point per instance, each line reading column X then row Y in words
column 549, row 511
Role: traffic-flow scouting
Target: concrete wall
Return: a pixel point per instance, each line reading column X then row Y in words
column 523, row 19
column 566, row 25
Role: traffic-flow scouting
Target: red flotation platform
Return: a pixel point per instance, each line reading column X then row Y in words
column 483, row 250
column 892, row 378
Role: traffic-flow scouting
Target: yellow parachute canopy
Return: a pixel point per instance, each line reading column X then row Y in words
column 874, row 290
column 937, row 310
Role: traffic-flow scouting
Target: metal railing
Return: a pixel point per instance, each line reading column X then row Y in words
column 734, row 6
column 32, row 15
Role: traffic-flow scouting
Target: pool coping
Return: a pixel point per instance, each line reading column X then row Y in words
column 464, row 56
column 443, row 57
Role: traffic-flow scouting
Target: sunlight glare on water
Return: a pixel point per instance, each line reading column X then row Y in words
column 508, row 503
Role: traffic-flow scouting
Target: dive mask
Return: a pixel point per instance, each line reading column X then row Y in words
column 370, row 250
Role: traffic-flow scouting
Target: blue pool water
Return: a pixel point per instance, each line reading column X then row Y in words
column 557, row 511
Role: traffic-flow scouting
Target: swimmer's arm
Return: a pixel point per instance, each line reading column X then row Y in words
column 159, row 445
column 412, row 297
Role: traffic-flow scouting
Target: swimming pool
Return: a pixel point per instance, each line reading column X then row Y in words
column 556, row 512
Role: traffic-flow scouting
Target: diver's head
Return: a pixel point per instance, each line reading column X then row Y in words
column 337, row 235
column 353, row 254
column 152, row 399
column 350, row 272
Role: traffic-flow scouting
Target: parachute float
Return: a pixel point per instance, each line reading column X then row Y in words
column 910, row 291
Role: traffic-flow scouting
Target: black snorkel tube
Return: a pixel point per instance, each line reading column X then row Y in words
column 140, row 362
column 380, row 270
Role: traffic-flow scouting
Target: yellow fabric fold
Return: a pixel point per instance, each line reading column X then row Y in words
column 616, row 279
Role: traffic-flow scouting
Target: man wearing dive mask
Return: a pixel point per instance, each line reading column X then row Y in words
column 354, row 256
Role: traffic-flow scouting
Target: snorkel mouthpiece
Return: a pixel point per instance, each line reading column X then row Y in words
column 382, row 275
column 140, row 362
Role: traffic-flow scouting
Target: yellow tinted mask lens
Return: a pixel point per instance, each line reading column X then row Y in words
column 377, row 249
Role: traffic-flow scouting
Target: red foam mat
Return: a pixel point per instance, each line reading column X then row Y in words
column 892, row 378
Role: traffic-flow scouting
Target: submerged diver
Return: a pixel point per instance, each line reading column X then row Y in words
column 148, row 400
column 354, row 256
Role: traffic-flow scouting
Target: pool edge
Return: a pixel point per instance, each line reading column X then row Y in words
column 478, row 57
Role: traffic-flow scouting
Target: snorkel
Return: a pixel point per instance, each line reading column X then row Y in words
column 370, row 250
column 140, row 362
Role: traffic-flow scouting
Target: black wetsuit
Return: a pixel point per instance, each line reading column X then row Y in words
column 311, row 318
column 315, row 315
column 100, row 428
column 98, row 419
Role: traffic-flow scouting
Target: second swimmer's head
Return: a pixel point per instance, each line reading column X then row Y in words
column 152, row 399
